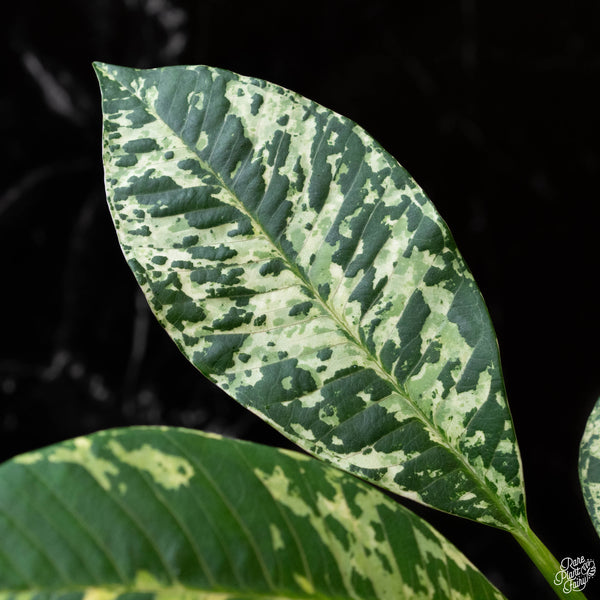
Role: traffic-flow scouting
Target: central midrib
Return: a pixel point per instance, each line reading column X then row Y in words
column 436, row 435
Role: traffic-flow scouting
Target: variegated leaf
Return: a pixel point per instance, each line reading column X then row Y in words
column 147, row 513
column 299, row 267
column 589, row 466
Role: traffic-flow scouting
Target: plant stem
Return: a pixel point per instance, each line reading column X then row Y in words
column 546, row 563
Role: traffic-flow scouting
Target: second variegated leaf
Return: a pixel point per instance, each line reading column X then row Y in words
column 167, row 514
column 589, row 466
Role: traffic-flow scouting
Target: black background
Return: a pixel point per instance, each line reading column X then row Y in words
column 492, row 107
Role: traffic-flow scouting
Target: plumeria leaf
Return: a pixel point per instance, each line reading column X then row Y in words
column 298, row 266
column 157, row 513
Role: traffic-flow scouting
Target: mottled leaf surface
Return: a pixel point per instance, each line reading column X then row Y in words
column 146, row 513
column 589, row 466
column 299, row 267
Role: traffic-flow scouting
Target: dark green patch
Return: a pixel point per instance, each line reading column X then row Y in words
column 260, row 320
column 446, row 378
column 144, row 231
column 445, row 276
column 344, row 396
column 244, row 227
column 366, row 292
column 300, row 177
column 593, row 470
column 159, row 260
column 213, row 217
column 300, row 309
column 189, row 240
column 370, row 425
column 431, row 355
column 141, row 146
column 337, row 530
column 184, row 311
column 428, row 236
column 270, row 390
column 242, row 300
column 352, row 369
column 140, row 117
column 182, row 308
column 321, row 173
column 363, row 587
column 324, row 353
column 218, row 357
column 414, row 215
column 138, row 270
column 182, row 264
column 468, row 312
column 226, row 277
column 355, row 214
column 489, row 419
column 274, row 206
column 168, row 155
column 409, row 329
column 375, row 234
column 257, row 102
column 418, row 473
column 324, row 290
column 232, row 291
column 219, row 253
column 272, row 267
column 190, row 340
column 128, row 160
column 235, row 317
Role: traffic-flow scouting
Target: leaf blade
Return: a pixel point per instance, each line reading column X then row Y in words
column 163, row 511
column 589, row 466
column 298, row 260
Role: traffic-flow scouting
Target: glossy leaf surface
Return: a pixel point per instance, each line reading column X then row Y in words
column 147, row 513
column 589, row 466
column 299, row 266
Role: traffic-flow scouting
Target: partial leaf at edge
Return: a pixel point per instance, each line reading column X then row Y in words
column 299, row 267
column 589, row 466
column 172, row 513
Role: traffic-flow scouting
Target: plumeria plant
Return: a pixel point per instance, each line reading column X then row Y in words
column 301, row 269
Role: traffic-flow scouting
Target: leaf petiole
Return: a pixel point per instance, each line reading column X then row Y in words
column 547, row 564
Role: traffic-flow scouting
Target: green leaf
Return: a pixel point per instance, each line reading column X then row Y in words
column 146, row 513
column 589, row 466
column 299, row 267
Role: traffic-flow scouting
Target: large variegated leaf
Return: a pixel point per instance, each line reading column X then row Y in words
column 298, row 265
column 168, row 513
column 589, row 466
